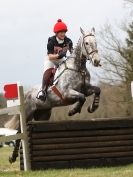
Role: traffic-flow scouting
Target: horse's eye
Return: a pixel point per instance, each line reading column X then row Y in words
column 86, row 43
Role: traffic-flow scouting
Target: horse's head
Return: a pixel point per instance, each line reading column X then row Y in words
column 89, row 47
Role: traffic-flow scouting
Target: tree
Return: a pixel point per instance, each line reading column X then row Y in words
column 115, row 65
column 118, row 62
column 128, row 54
column 131, row 1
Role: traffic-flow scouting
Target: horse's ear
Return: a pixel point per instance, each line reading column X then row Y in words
column 82, row 31
column 93, row 30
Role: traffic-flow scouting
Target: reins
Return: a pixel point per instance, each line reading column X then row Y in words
column 83, row 73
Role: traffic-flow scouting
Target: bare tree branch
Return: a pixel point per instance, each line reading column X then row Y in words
column 117, row 67
column 131, row 1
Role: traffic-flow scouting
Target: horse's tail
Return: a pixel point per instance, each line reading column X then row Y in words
column 13, row 123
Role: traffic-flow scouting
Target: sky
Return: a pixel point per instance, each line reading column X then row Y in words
column 25, row 26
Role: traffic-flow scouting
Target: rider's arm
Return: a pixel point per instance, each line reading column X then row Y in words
column 50, row 51
column 53, row 56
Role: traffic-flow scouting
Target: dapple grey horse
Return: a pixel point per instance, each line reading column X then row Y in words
column 72, row 80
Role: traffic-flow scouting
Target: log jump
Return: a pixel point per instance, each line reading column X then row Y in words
column 69, row 144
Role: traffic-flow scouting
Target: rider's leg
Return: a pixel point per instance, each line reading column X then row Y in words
column 46, row 79
column 45, row 83
column 48, row 66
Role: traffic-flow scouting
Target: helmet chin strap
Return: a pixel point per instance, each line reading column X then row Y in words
column 59, row 40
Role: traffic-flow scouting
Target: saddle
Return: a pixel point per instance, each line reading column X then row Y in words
column 53, row 87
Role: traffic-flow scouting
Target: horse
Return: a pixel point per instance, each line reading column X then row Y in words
column 71, row 86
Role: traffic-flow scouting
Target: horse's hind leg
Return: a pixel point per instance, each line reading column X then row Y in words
column 14, row 154
column 96, row 91
column 42, row 115
column 77, row 98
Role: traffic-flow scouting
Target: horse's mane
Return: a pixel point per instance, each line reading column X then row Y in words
column 76, row 52
column 77, row 49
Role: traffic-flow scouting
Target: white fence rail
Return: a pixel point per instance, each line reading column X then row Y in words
column 13, row 110
column 20, row 109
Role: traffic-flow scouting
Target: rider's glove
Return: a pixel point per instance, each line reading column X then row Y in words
column 62, row 54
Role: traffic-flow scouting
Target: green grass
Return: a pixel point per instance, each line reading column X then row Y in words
column 4, row 163
column 7, row 170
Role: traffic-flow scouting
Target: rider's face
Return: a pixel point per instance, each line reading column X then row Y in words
column 61, row 35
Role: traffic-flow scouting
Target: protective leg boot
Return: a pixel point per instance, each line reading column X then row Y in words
column 45, row 83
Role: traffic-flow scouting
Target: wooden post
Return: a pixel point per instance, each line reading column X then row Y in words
column 25, row 146
column 132, row 89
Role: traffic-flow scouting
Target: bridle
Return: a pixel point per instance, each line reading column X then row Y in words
column 83, row 73
column 93, row 52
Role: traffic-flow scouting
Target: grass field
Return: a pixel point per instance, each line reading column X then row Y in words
column 7, row 170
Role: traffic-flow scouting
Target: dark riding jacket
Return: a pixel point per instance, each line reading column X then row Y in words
column 53, row 47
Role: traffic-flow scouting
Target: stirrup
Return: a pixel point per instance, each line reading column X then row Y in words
column 43, row 95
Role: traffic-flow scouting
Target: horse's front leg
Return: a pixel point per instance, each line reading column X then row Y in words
column 96, row 91
column 77, row 98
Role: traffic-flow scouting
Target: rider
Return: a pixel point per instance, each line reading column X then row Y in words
column 57, row 48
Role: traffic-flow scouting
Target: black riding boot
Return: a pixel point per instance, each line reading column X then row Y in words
column 45, row 83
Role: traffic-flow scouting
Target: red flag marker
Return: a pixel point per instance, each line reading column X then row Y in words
column 11, row 91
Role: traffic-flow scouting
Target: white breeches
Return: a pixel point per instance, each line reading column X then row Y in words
column 52, row 63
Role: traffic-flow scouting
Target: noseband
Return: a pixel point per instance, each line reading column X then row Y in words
column 89, row 53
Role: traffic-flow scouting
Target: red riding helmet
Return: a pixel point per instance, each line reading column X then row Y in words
column 60, row 26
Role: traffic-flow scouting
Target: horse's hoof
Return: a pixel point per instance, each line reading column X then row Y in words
column 70, row 113
column 10, row 160
column 90, row 110
column 74, row 111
